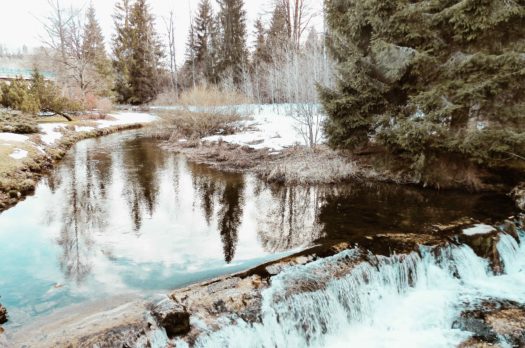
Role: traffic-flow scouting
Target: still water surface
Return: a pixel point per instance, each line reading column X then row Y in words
column 119, row 216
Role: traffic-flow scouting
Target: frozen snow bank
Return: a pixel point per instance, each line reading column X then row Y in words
column 478, row 229
column 126, row 118
column 51, row 132
column 19, row 154
column 13, row 137
column 83, row 129
column 271, row 128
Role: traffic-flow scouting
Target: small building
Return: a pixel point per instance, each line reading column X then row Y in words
column 10, row 74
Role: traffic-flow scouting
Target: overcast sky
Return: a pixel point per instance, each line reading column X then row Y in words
column 20, row 19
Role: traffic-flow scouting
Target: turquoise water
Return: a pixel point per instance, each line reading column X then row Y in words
column 119, row 216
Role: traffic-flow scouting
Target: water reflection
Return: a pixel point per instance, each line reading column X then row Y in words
column 118, row 215
column 293, row 217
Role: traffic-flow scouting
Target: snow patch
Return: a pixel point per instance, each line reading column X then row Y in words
column 19, row 154
column 271, row 128
column 51, row 132
column 478, row 229
column 13, row 137
column 83, row 129
column 126, row 118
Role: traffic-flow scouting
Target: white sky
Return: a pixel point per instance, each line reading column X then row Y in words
column 20, row 25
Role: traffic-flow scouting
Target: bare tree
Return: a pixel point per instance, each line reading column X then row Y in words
column 298, row 17
column 169, row 24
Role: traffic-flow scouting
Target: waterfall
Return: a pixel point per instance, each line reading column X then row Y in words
column 398, row 301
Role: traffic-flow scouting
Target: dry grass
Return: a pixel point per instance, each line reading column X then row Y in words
column 167, row 98
column 303, row 166
column 179, row 124
column 211, row 96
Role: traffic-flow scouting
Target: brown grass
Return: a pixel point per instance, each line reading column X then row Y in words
column 302, row 166
column 211, row 96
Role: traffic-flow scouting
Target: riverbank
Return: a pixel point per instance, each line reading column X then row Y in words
column 320, row 293
column 267, row 141
column 25, row 158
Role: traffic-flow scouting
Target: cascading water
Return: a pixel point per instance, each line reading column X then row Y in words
column 399, row 301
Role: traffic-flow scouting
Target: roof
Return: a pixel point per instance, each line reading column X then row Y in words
column 13, row 73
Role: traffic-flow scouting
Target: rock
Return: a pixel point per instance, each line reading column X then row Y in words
column 476, row 343
column 485, row 245
column 172, row 316
column 518, row 195
column 3, row 315
column 492, row 321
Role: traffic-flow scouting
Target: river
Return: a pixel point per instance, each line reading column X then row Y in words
column 118, row 216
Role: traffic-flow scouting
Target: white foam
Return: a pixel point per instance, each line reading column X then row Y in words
column 400, row 302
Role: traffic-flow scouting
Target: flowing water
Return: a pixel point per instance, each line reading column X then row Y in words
column 119, row 216
column 401, row 301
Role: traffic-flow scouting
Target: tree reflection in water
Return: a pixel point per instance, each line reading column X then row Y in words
column 83, row 209
column 289, row 217
column 222, row 195
column 200, row 217
column 142, row 162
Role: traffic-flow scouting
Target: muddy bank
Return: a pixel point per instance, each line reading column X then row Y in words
column 20, row 183
column 300, row 165
column 292, row 166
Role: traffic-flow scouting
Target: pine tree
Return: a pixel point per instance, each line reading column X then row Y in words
column 233, row 54
column 261, row 54
column 137, row 53
column 279, row 35
column 94, row 52
column 146, row 55
column 429, row 79
column 122, row 50
column 203, row 28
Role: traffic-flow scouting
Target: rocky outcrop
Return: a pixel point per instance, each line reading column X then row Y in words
column 3, row 315
column 189, row 312
column 518, row 194
column 172, row 316
column 493, row 320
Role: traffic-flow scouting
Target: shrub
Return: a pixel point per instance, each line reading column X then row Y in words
column 17, row 122
column 199, row 124
column 18, row 96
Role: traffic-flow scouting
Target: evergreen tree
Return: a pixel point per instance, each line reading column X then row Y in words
column 137, row 53
column 429, row 79
column 233, row 54
column 146, row 55
column 94, row 52
column 202, row 30
column 279, row 33
column 261, row 53
column 122, row 50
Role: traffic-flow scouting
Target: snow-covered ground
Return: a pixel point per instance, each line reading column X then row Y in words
column 50, row 133
column 13, row 137
column 269, row 126
column 19, row 154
